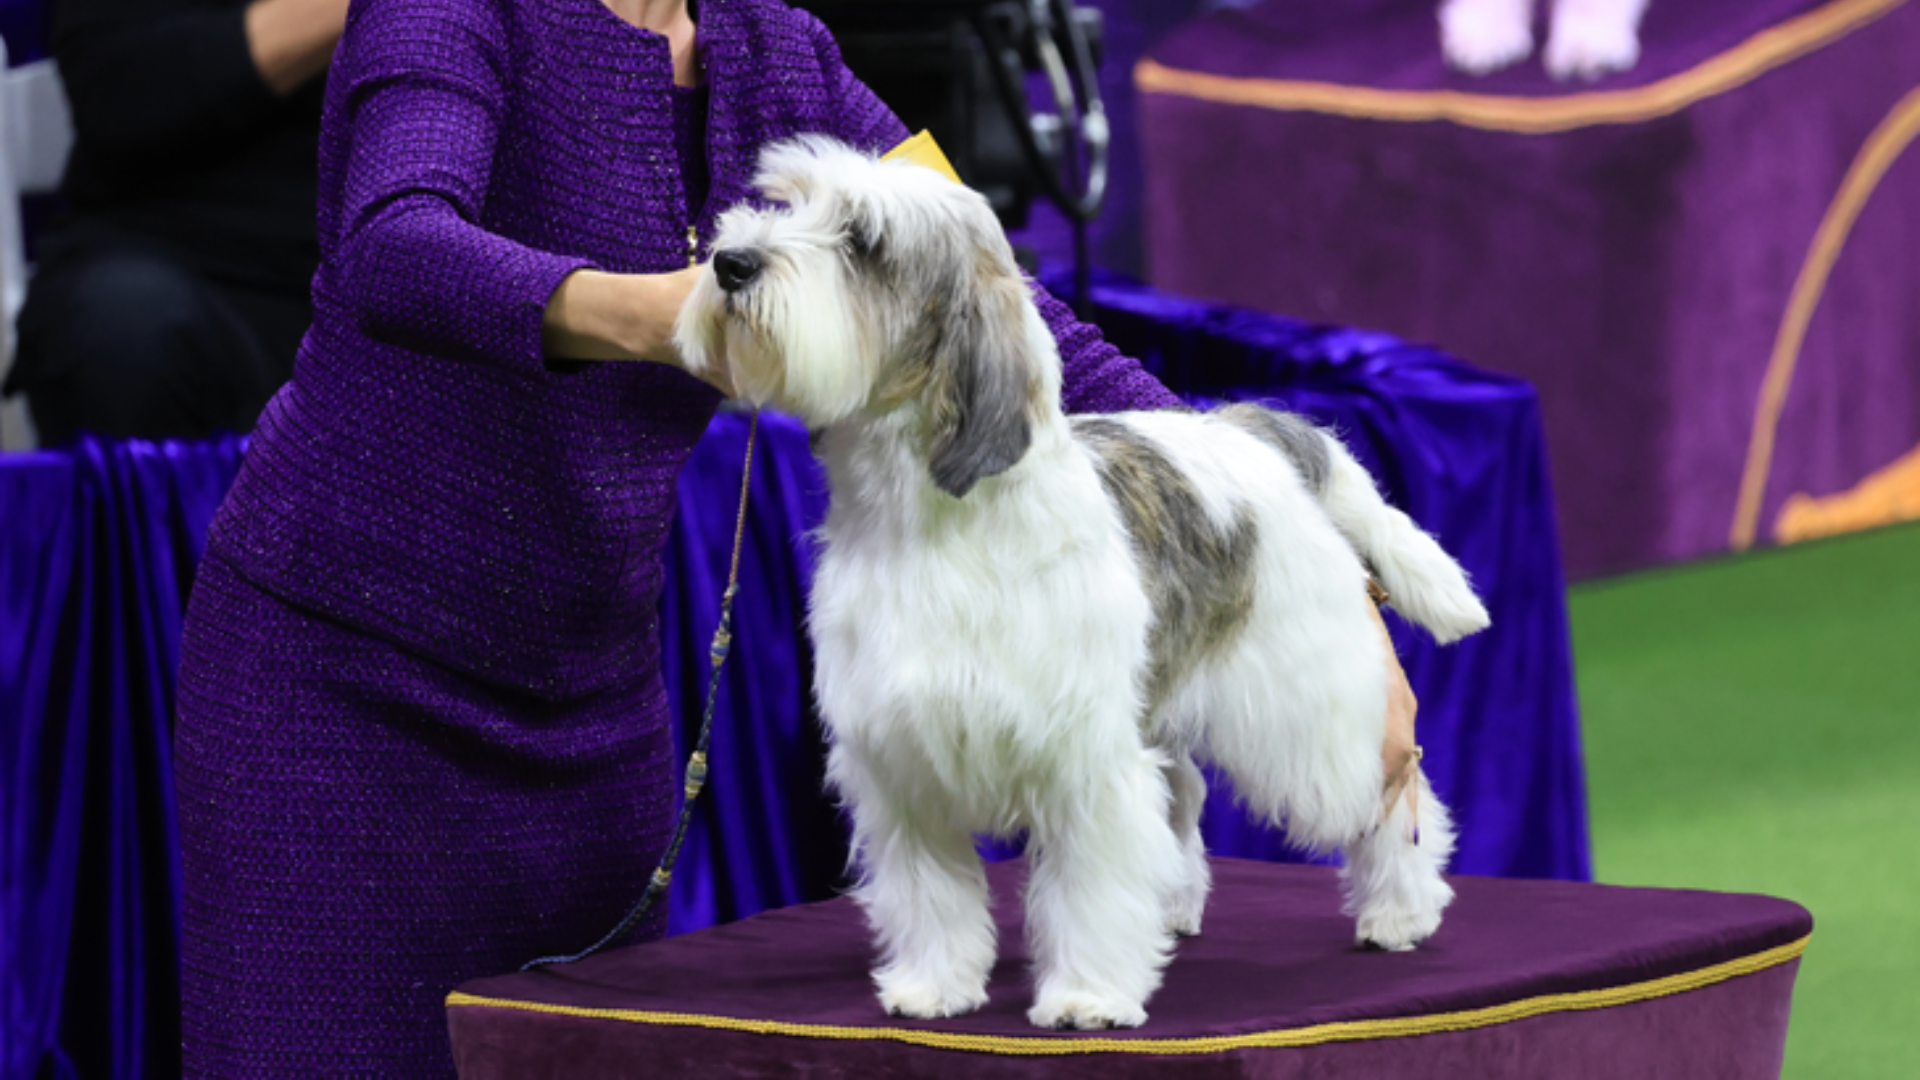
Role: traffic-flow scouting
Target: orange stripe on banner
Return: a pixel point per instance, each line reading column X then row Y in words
column 1059, row 1045
column 1736, row 67
column 1876, row 156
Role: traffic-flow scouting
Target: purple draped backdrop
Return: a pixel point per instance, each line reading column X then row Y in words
column 98, row 546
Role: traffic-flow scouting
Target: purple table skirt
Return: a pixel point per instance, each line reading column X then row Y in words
column 1704, row 265
column 1526, row 978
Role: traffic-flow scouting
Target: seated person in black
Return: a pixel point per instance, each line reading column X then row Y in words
column 170, row 299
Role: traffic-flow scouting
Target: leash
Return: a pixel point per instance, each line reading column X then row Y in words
column 696, row 774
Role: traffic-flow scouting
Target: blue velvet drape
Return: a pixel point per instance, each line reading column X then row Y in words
column 97, row 549
column 98, row 546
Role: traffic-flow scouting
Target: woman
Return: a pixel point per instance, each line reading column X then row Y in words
column 422, row 729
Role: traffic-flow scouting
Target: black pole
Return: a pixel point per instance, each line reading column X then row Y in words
column 1082, row 272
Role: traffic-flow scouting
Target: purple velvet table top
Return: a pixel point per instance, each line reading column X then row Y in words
column 1276, row 960
column 1395, row 44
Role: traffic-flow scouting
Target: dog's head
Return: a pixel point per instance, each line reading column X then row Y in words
column 868, row 287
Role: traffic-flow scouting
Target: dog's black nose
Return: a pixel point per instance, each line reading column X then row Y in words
column 734, row 268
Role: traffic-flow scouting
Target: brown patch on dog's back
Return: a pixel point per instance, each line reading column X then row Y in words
column 1296, row 439
column 1198, row 576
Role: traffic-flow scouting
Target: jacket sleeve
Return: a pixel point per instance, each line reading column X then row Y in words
column 424, row 103
column 1095, row 377
column 156, row 76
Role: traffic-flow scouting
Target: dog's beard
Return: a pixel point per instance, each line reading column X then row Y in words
column 719, row 329
column 701, row 327
column 798, row 349
column 752, row 362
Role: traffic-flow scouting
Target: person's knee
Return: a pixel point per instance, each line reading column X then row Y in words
column 118, row 345
column 121, row 311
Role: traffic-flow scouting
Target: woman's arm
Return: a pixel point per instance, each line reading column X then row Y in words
column 172, row 78
column 1401, row 745
column 595, row 315
column 169, row 79
column 1097, row 377
column 424, row 100
column 599, row 316
column 292, row 40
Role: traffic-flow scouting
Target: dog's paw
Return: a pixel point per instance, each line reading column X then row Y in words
column 1183, row 917
column 920, row 999
column 1481, row 36
column 1085, row 1011
column 1394, row 929
column 1586, row 46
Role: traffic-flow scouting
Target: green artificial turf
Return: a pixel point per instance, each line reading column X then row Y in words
column 1753, row 725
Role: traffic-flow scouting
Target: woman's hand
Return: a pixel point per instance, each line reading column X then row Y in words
column 595, row 315
column 1398, row 753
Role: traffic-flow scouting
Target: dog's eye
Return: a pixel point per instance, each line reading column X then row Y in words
column 860, row 242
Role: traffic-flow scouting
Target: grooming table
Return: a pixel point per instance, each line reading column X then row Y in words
column 1525, row 979
column 1705, row 264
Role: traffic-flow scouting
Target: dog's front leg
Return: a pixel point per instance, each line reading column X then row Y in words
column 1104, row 867
column 1592, row 38
column 926, row 897
column 1479, row 36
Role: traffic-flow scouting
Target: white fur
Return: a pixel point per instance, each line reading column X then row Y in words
column 1588, row 38
column 981, row 660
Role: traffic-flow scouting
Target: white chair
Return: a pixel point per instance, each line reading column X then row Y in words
column 36, row 132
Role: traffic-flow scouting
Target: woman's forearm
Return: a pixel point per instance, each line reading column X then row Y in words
column 1400, row 745
column 595, row 315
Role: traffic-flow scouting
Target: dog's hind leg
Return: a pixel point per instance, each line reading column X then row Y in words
column 1393, row 875
column 1189, row 900
column 926, row 897
column 1102, row 871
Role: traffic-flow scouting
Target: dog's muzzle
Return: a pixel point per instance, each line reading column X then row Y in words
column 735, row 268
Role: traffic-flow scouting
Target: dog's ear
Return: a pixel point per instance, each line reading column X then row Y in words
column 981, row 389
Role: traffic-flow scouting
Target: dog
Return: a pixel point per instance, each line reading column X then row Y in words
column 1588, row 39
column 1025, row 623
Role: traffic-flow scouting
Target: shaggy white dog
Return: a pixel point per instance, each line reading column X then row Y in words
column 1588, row 38
column 1025, row 623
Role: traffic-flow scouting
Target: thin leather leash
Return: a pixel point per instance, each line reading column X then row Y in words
column 696, row 774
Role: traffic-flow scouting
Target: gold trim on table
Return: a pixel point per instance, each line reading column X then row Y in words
column 1059, row 1045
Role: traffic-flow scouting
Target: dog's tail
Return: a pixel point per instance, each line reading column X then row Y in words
column 1424, row 582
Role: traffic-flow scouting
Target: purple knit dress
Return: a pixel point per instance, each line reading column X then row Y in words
column 422, row 730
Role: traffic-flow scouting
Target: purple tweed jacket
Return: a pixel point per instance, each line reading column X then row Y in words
column 425, row 477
